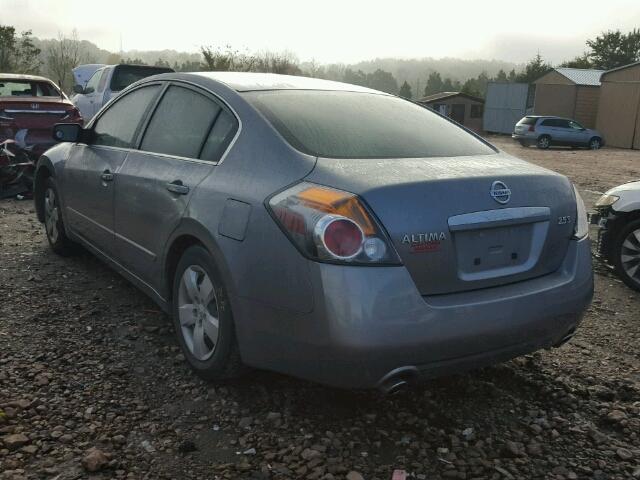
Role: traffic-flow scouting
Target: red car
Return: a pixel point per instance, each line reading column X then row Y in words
column 29, row 107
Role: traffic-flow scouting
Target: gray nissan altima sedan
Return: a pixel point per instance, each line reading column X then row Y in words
column 319, row 229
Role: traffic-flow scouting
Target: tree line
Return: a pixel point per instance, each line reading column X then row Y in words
column 20, row 52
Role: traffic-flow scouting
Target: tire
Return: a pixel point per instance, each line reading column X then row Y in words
column 543, row 142
column 200, row 301
column 595, row 143
column 626, row 254
column 53, row 222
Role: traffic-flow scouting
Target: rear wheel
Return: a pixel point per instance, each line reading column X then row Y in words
column 544, row 142
column 626, row 254
column 53, row 222
column 595, row 143
column 202, row 317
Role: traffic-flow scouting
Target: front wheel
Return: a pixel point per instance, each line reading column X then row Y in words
column 544, row 142
column 202, row 317
column 595, row 143
column 626, row 252
column 53, row 222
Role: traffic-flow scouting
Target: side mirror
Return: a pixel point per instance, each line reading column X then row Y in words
column 78, row 89
column 88, row 90
column 68, row 132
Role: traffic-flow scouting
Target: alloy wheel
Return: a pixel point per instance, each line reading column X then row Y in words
column 594, row 144
column 51, row 214
column 630, row 255
column 544, row 142
column 198, row 312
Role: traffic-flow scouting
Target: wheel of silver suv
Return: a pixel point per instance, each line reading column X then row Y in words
column 544, row 142
column 594, row 144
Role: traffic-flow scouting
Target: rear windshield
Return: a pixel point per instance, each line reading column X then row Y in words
column 362, row 125
column 528, row 121
column 125, row 75
column 27, row 88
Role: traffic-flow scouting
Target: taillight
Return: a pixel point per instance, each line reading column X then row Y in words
column 532, row 128
column 327, row 224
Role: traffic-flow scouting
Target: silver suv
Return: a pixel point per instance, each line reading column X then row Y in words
column 547, row 131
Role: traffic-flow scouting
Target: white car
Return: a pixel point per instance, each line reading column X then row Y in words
column 106, row 82
column 618, row 219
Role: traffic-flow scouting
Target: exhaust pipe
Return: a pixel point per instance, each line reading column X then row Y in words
column 398, row 380
column 566, row 338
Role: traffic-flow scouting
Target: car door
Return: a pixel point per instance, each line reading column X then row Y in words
column 180, row 146
column 99, row 99
column 564, row 133
column 579, row 134
column 91, row 169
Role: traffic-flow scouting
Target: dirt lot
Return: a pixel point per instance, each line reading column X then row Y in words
column 86, row 361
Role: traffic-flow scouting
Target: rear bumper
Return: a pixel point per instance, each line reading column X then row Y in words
column 370, row 322
column 523, row 138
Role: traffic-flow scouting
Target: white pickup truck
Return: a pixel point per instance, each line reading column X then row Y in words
column 96, row 84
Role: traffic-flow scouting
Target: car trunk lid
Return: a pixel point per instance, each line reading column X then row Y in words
column 463, row 223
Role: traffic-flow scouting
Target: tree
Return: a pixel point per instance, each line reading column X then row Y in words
column 64, row 56
column 356, row 78
column 162, row 63
column 501, row 76
column 405, row 90
column 582, row 61
column 132, row 61
column 534, row 69
column 18, row 54
column 382, row 80
column 512, row 75
column 434, row 84
column 613, row 49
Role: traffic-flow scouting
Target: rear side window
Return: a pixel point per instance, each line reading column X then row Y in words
column 125, row 75
column 180, row 124
column 340, row 124
column 528, row 121
column 118, row 125
column 220, row 136
column 552, row 122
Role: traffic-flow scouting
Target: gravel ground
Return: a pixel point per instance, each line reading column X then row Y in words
column 92, row 385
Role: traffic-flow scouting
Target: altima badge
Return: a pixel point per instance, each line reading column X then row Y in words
column 500, row 192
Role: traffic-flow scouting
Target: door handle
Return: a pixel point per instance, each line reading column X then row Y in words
column 177, row 187
column 106, row 176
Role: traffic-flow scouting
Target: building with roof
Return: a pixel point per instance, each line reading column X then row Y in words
column 569, row 92
column 619, row 107
column 461, row 107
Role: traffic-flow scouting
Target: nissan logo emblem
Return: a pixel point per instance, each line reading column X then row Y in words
column 500, row 192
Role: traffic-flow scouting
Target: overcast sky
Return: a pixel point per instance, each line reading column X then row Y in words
column 334, row 30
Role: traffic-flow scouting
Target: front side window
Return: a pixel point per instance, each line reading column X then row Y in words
column 180, row 124
column 92, row 84
column 118, row 125
column 341, row 124
column 575, row 125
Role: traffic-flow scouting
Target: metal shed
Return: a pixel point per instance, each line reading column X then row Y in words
column 505, row 104
column 569, row 92
column 619, row 107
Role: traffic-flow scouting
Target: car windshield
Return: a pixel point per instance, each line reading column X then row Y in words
column 27, row 88
column 341, row 124
column 125, row 75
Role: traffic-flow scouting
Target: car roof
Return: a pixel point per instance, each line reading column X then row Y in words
column 250, row 81
column 20, row 76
